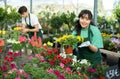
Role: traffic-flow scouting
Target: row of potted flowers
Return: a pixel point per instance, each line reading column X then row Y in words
column 45, row 61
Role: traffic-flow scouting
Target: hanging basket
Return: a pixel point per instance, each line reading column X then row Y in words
column 68, row 50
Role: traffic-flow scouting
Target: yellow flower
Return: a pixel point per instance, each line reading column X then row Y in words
column 3, row 32
column 44, row 44
column 17, row 28
column 64, row 37
column 82, row 39
column 49, row 44
column 58, row 40
column 69, row 40
column 0, row 31
column 78, row 38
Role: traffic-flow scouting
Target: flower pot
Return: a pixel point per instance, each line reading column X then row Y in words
column 101, row 77
column 68, row 50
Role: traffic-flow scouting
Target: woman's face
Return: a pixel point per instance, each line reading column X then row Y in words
column 84, row 21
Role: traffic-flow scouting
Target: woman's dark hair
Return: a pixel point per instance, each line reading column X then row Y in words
column 22, row 9
column 77, row 24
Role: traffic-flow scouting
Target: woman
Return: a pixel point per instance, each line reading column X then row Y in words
column 89, row 49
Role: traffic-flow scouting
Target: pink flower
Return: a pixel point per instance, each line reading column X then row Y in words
column 22, row 39
column 57, row 73
column 62, row 65
column 61, row 77
column 17, row 78
column 26, row 75
column 20, row 71
column 68, row 68
column 14, row 69
column 2, row 42
column 30, row 57
column 49, row 70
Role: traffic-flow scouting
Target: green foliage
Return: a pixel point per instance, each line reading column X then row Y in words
column 73, row 76
column 68, row 18
column 45, row 40
column 117, row 13
column 11, row 75
column 56, row 22
column 38, row 73
column 8, row 16
column 101, row 69
column 44, row 65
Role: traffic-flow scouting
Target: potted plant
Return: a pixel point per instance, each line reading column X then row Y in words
column 101, row 71
column 67, row 41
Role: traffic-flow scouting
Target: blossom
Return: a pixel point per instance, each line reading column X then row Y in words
column 91, row 70
column 36, row 41
column 50, row 70
column 1, row 42
column 17, row 78
column 49, row 44
column 17, row 28
column 12, row 65
column 0, row 50
column 69, row 40
column 22, row 39
column 3, row 68
column 68, row 68
column 116, row 42
column 84, row 61
column 61, row 65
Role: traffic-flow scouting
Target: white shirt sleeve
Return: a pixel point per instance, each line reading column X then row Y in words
column 23, row 21
column 34, row 20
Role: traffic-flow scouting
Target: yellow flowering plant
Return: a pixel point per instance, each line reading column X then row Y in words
column 69, row 40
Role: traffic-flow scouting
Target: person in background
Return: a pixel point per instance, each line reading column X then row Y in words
column 30, row 23
column 89, row 49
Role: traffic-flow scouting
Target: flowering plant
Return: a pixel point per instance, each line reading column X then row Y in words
column 101, row 69
column 116, row 43
column 1, row 45
column 9, row 62
column 84, row 67
column 111, row 43
column 69, row 40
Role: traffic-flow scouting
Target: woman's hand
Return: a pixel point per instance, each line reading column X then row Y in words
column 84, row 44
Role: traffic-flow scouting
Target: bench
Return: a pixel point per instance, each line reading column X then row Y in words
column 106, row 52
column 110, row 53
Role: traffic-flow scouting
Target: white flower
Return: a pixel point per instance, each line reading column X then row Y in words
column 63, row 55
column 74, row 59
column 8, row 10
column 84, row 61
column 12, row 41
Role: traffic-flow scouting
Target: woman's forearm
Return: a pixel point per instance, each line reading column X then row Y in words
column 93, row 48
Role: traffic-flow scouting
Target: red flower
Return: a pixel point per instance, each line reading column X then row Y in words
column 36, row 41
column 10, row 53
column 91, row 70
column 0, row 50
column 3, row 68
column 12, row 65
column 1, row 42
column 16, row 54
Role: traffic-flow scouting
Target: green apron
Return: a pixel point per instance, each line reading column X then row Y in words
column 39, row 33
column 86, row 53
